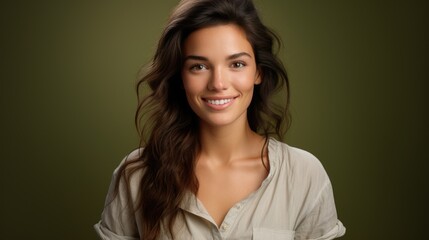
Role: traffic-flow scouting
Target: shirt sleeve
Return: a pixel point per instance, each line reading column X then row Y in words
column 118, row 219
column 316, row 212
column 321, row 223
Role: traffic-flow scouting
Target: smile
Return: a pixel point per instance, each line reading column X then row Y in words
column 219, row 101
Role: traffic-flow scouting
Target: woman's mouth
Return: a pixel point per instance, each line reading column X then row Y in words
column 219, row 101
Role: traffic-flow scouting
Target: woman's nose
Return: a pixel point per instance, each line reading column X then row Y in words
column 218, row 80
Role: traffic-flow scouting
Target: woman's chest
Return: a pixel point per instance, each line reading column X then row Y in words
column 220, row 190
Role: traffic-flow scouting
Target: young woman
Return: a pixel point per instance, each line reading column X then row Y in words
column 209, row 167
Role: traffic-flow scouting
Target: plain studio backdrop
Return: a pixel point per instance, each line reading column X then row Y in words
column 357, row 69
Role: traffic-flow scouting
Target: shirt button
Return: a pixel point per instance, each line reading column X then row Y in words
column 224, row 227
column 238, row 206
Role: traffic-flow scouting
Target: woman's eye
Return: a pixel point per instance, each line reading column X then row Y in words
column 238, row 65
column 198, row 67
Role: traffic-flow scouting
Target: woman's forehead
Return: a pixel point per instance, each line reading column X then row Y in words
column 224, row 39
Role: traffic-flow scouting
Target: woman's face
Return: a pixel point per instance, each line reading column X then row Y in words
column 219, row 74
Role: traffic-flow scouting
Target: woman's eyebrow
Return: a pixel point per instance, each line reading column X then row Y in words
column 195, row 57
column 237, row 55
column 230, row 57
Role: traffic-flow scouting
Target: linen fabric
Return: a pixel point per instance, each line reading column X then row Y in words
column 295, row 201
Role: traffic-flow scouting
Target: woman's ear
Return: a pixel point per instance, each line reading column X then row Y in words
column 258, row 76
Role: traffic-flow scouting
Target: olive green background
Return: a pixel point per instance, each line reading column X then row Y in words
column 358, row 72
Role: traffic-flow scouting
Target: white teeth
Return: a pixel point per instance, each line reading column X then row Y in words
column 219, row 102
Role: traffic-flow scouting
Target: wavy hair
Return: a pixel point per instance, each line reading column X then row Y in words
column 169, row 134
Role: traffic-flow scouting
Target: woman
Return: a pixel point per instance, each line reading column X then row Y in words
column 209, row 168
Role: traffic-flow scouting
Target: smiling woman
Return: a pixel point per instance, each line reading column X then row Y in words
column 219, row 75
column 210, row 167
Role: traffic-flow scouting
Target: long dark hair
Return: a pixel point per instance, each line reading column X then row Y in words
column 169, row 135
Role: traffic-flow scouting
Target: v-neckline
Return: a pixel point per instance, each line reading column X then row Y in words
column 191, row 203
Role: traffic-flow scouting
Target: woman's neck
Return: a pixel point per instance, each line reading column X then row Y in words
column 228, row 143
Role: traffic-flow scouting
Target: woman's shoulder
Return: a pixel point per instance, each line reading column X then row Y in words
column 129, row 173
column 130, row 160
column 298, row 162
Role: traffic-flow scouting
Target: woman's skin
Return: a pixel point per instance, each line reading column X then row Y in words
column 219, row 75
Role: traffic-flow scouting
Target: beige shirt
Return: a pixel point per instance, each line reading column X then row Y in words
column 295, row 201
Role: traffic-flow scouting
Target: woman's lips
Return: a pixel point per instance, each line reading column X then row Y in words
column 219, row 103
